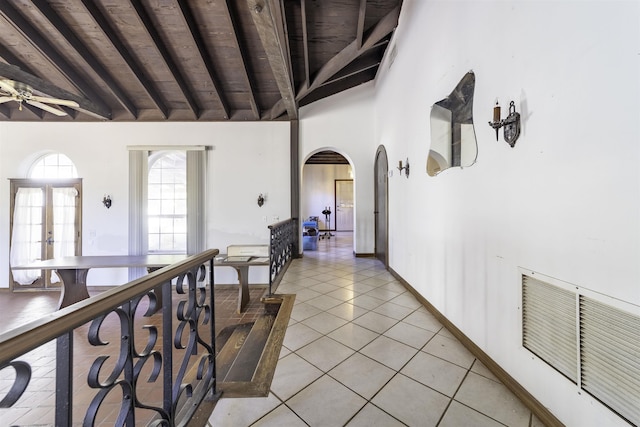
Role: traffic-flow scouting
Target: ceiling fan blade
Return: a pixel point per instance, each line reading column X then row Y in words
column 46, row 100
column 48, row 108
column 7, row 86
column 4, row 99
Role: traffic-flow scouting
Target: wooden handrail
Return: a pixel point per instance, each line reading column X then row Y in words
column 29, row 336
column 196, row 307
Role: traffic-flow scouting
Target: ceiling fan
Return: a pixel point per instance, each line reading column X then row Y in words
column 11, row 90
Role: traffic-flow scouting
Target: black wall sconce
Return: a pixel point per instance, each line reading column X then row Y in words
column 261, row 200
column 511, row 124
column 405, row 168
column 106, row 201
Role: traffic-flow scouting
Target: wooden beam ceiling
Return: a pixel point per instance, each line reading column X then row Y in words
column 93, row 105
column 177, row 74
column 242, row 49
column 134, row 65
column 184, row 60
column 269, row 20
column 86, row 55
column 190, row 21
column 346, row 56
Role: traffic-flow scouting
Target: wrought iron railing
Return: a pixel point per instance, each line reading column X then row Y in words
column 156, row 368
column 283, row 246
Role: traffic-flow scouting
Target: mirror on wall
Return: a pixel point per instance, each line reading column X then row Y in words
column 453, row 139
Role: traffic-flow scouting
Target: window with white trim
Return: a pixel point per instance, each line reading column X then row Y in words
column 167, row 202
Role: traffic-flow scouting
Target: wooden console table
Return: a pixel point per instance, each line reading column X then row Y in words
column 73, row 270
column 241, row 264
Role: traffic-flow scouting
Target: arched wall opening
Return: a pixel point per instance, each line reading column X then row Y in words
column 327, row 183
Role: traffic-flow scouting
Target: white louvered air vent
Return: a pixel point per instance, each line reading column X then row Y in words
column 595, row 345
column 549, row 325
column 610, row 357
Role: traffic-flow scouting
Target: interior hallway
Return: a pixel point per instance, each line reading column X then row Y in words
column 360, row 350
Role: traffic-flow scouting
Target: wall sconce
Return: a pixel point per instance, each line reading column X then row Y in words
column 106, row 201
column 511, row 124
column 261, row 200
column 405, row 168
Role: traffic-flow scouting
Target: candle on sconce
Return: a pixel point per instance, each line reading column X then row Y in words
column 400, row 165
column 496, row 118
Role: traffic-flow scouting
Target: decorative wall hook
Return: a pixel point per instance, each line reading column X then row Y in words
column 106, row 201
column 405, row 168
column 511, row 124
column 261, row 200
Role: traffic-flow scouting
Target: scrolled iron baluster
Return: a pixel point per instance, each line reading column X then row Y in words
column 20, row 383
column 125, row 407
column 186, row 325
column 130, row 362
column 180, row 281
column 188, row 314
column 148, row 353
column 204, row 317
column 93, row 379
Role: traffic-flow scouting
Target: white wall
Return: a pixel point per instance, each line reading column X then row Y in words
column 564, row 202
column 342, row 123
column 318, row 191
column 245, row 160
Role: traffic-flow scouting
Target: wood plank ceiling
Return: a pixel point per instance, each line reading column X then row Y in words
column 188, row 60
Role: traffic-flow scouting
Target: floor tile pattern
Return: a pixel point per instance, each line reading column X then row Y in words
column 360, row 350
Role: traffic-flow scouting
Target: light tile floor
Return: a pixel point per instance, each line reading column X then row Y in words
column 362, row 351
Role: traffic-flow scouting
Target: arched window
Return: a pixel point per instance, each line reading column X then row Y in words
column 167, row 202
column 166, row 205
column 53, row 166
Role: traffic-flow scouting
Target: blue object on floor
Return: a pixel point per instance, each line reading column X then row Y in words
column 310, row 236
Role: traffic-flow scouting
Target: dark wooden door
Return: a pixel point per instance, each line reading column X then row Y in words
column 381, row 168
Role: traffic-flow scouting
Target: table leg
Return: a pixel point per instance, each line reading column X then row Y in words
column 74, row 286
column 243, row 288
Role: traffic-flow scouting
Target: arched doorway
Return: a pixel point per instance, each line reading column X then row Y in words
column 327, row 185
column 46, row 219
column 381, row 168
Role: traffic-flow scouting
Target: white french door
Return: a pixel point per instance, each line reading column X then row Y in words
column 344, row 205
column 45, row 224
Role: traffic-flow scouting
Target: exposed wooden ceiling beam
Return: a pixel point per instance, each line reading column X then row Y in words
column 85, row 105
column 233, row 19
column 190, row 21
column 269, row 19
column 93, row 106
column 339, row 85
column 361, row 16
column 352, row 51
column 305, row 41
column 164, row 52
column 5, row 111
column 327, row 157
column 346, row 56
column 114, row 87
column 387, row 24
column 350, row 73
column 136, row 68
